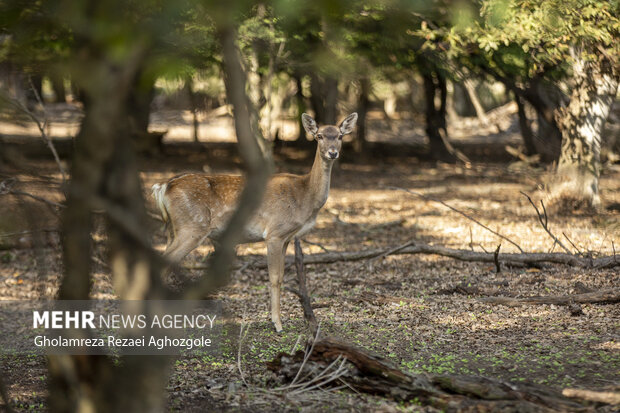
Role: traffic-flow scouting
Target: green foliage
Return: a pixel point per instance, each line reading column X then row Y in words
column 531, row 35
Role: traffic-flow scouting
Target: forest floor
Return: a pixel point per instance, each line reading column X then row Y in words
column 406, row 308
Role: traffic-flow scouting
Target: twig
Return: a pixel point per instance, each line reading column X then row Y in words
column 498, row 268
column 573, row 244
column 306, row 357
column 304, row 296
column 596, row 297
column 241, row 338
column 304, row 384
column 38, row 198
column 459, row 212
column 321, row 246
column 543, row 218
column 340, row 371
column 40, row 125
column 33, row 231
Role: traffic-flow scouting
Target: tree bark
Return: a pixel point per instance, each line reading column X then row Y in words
column 581, row 124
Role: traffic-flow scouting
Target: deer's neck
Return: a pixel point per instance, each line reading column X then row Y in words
column 320, row 176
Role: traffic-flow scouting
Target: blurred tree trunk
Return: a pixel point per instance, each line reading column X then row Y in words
column 139, row 106
column 300, row 100
column 331, row 100
column 435, row 87
column 316, row 98
column 104, row 177
column 193, row 105
column 581, row 122
column 360, row 144
column 58, row 86
column 526, row 127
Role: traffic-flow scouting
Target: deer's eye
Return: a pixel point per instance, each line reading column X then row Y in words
column 319, row 136
column 340, row 137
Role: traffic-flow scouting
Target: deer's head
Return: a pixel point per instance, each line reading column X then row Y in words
column 329, row 137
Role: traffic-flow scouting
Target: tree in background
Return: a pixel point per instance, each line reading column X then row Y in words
column 571, row 43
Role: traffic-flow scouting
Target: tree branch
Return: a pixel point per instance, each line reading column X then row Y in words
column 428, row 198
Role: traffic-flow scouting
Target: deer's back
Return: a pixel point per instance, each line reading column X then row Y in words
column 205, row 202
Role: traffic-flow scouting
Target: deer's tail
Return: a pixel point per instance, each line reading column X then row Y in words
column 159, row 193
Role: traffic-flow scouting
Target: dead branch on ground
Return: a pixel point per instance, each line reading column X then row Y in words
column 511, row 259
column 596, row 297
column 606, row 397
column 364, row 372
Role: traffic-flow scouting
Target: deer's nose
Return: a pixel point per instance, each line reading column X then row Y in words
column 332, row 153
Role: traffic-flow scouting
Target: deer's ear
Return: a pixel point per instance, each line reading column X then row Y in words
column 309, row 124
column 347, row 125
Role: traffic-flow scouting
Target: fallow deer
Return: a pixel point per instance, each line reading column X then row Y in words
column 197, row 206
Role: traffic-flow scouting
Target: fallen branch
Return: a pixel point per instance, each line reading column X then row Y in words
column 597, row 297
column 607, row 397
column 514, row 259
column 370, row 373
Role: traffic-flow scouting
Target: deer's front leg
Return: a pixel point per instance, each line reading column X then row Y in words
column 276, row 250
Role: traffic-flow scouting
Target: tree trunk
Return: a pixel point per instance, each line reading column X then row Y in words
column 440, row 148
column 189, row 87
column 581, row 124
column 316, row 98
column 526, row 127
column 360, row 144
column 58, row 85
column 331, row 100
column 139, row 106
column 301, row 108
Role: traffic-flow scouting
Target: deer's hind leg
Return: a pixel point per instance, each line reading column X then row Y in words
column 186, row 236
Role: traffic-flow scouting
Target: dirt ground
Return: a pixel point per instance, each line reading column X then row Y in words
column 400, row 306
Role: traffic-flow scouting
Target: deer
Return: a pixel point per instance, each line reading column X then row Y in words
column 197, row 206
